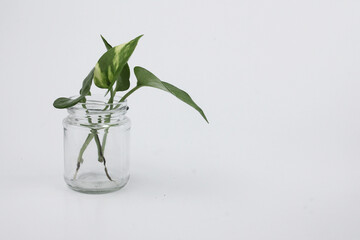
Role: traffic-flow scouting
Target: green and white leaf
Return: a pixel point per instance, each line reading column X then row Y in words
column 64, row 102
column 110, row 65
column 146, row 78
column 107, row 45
column 123, row 81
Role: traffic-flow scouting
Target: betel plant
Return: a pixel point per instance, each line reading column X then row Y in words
column 112, row 73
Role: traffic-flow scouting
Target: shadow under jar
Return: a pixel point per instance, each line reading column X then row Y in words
column 96, row 145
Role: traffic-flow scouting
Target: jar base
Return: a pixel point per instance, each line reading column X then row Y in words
column 93, row 183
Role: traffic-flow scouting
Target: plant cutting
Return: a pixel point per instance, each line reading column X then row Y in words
column 96, row 131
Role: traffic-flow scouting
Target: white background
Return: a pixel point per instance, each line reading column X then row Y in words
column 278, row 80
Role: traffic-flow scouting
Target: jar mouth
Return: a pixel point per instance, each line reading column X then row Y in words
column 98, row 102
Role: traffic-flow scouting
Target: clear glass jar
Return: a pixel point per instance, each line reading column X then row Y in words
column 96, row 145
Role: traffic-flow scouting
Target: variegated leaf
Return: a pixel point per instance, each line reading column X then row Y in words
column 111, row 63
column 123, row 81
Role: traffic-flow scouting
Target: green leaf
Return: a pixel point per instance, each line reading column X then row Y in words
column 86, row 85
column 107, row 45
column 123, row 81
column 146, row 78
column 65, row 102
column 111, row 63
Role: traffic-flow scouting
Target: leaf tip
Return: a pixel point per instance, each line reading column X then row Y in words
column 140, row 36
column 102, row 37
column 203, row 115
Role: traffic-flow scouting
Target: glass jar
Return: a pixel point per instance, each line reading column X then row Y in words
column 96, row 145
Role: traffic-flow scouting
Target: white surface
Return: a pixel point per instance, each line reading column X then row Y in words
column 278, row 80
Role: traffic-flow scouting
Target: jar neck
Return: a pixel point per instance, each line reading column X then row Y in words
column 97, row 113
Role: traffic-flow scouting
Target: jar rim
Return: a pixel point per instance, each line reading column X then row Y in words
column 99, row 102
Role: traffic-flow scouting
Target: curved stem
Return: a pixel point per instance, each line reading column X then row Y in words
column 100, row 152
column 84, row 146
column 82, row 150
column 103, row 144
column 129, row 93
column 94, row 134
column 107, row 120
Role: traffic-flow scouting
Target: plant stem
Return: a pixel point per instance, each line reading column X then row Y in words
column 106, row 131
column 111, row 99
column 129, row 93
column 111, row 107
column 91, row 136
column 107, row 120
column 84, row 146
column 94, row 134
column 100, row 152
column 82, row 150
